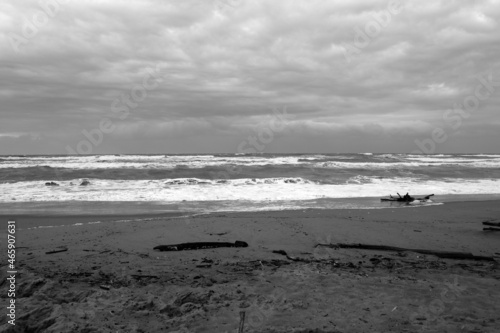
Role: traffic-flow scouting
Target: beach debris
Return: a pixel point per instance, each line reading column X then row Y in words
column 219, row 234
column 290, row 257
column 406, row 198
column 494, row 224
column 280, row 252
column 51, row 184
column 491, row 224
column 299, row 259
column 491, row 229
column 60, row 249
column 206, row 263
column 242, row 322
column 199, row 246
column 193, row 297
column 138, row 277
column 85, row 183
column 440, row 254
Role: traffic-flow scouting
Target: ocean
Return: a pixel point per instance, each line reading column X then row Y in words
column 238, row 182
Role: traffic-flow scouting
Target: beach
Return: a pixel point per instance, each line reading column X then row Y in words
column 106, row 277
column 232, row 166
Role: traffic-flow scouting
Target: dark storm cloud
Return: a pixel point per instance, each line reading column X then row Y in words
column 226, row 64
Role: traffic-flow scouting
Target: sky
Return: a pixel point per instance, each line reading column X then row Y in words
column 233, row 76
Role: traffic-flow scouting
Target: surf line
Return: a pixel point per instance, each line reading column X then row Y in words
column 79, row 224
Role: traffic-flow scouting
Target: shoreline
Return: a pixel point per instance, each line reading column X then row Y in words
column 33, row 220
column 79, row 209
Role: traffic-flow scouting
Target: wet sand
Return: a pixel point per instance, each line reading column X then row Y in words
column 110, row 279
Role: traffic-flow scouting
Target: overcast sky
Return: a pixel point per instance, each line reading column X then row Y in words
column 204, row 76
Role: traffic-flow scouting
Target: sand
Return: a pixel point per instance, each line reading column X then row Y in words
column 111, row 280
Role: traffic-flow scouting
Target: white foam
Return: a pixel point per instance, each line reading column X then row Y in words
column 483, row 155
column 452, row 159
column 410, row 164
column 269, row 189
column 143, row 161
column 199, row 161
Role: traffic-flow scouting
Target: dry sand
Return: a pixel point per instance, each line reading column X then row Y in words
column 111, row 280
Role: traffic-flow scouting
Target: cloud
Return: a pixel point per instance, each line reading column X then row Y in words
column 162, row 129
column 226, row 64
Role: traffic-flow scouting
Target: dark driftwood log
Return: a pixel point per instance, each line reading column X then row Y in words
column 493, row 224
column 407, row 199
column 199, row 246
column 440, row 254
column 491, row 229
column 56, row 251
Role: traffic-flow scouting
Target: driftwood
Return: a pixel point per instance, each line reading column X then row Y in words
column 405, row 198
column 56, row 251
column 493, row 224
column 242, row 322
column 491, row 229
column 280, row 252
column 440, row 254
column 302, row 259
column 199, row 246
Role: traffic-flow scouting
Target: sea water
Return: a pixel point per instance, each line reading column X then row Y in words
column 236, row 182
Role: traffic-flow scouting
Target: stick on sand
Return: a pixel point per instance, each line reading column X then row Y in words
column 440, row 254
column 242, row 321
